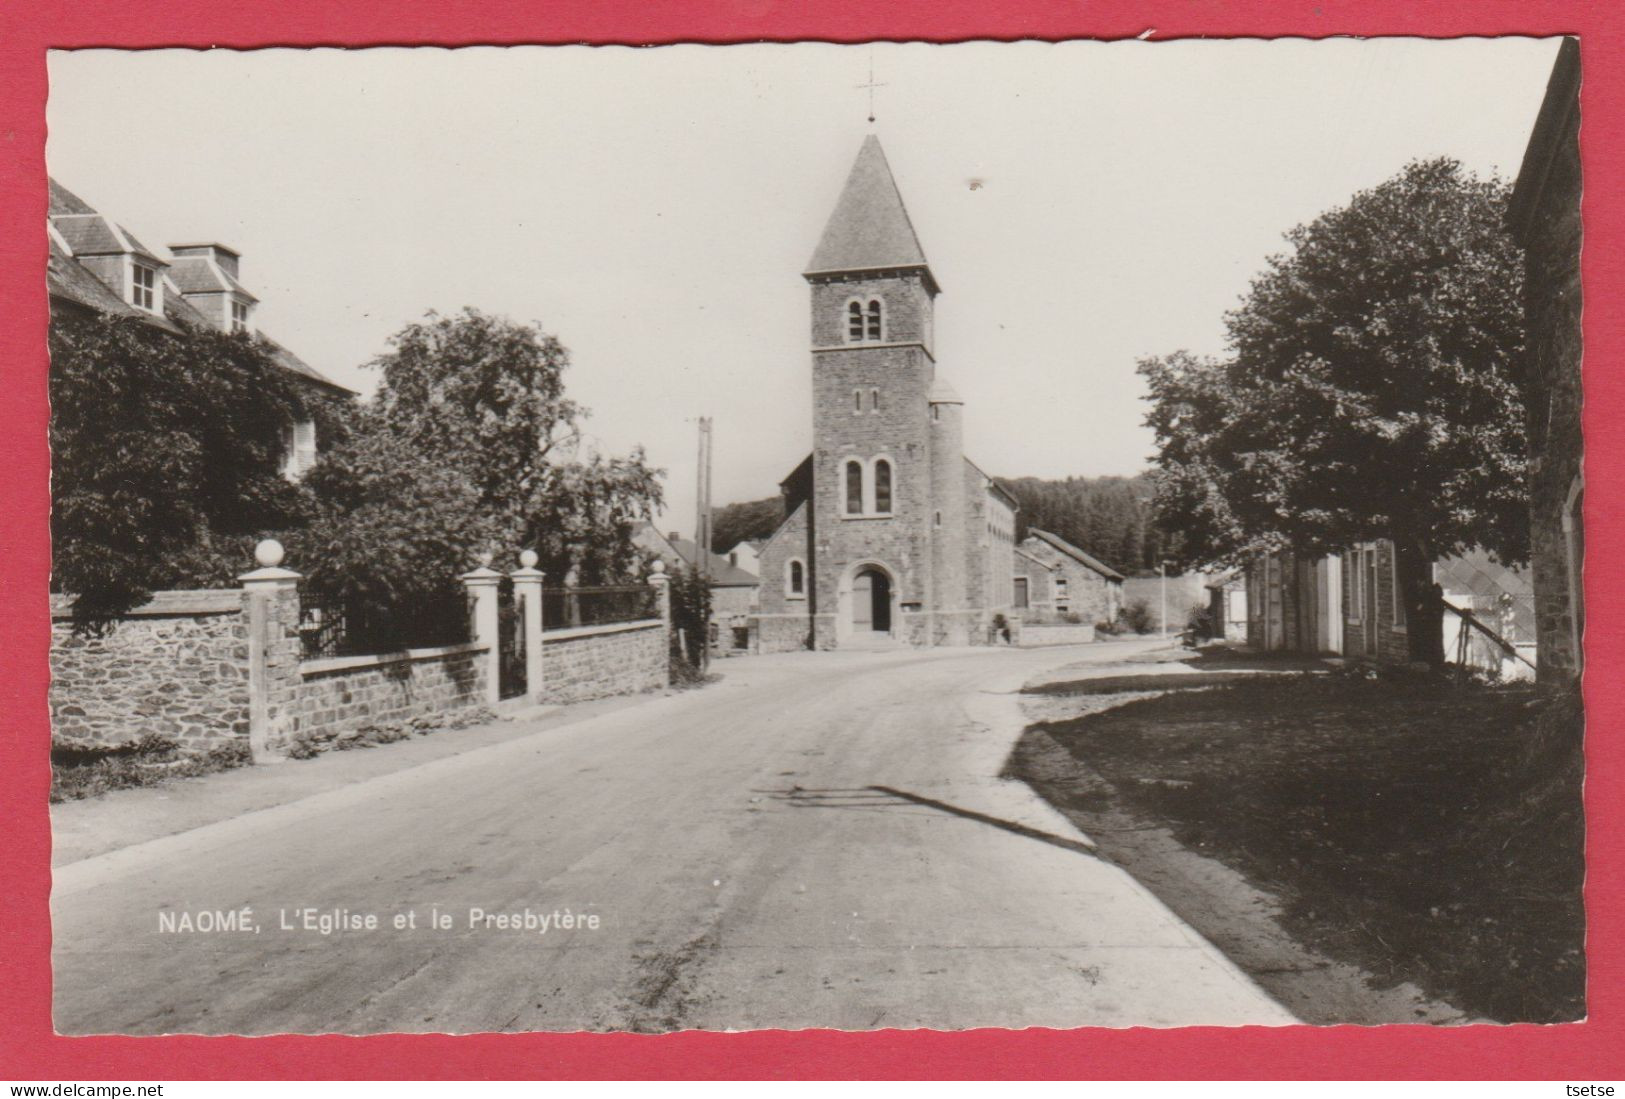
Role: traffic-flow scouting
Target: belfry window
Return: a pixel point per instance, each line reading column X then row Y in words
column 865, row 321
column 854, row 488
column 882, row 487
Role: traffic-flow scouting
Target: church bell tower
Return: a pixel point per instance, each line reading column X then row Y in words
column 873, row 371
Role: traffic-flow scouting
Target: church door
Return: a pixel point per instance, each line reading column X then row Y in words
column 871, row 602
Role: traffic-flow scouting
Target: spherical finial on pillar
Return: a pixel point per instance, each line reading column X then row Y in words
column 269, row 553
column 528, row 559
column 657, row 567
column 485, row 557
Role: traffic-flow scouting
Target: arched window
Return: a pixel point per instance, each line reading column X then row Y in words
column 882, row 487
column 857, row 400
column 795, row 580
column 874, row 400
column 854, row 488
column 875, row 326
column 854, row 321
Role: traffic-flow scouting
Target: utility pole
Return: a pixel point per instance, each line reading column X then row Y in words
column 702, row 530
column 1162, row 571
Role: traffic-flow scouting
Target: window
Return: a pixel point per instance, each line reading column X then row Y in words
column 1021, row 593
column 239, row 316
column 865, row 321
column 301, row 449
column 874, row 400
column 939, row 519
column 854, row 488
column 882, row 487
column 936, row 412
column 144, row 287
column 795, row 580
column 1060, row 587
column 857, row 400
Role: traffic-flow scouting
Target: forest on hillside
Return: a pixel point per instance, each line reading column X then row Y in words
column 1109, row 517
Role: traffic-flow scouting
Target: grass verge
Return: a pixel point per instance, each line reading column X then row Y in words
column 1423, row 830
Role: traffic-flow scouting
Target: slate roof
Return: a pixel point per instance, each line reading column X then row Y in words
column 87, row 232
column 724, row 574
column 199, row 275
column 870, row 229
column 1063, row 546
column 944, row 393
column 68, row 281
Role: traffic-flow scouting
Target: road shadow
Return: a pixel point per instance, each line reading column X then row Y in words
column 891, row 799
column 1215, row 666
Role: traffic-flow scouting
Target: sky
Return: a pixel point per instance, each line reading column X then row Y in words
column 1082, row 204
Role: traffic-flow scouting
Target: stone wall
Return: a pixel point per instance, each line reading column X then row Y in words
column 176, row 668
column 1546, row 218
column 597, row 661
column 1034, row 635
column 350, row 692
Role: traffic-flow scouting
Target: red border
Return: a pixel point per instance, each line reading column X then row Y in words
column 29, row 1049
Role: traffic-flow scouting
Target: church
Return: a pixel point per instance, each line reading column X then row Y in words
column 891, row 535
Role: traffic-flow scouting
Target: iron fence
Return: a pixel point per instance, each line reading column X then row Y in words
column 567, row 608
column 329, row 627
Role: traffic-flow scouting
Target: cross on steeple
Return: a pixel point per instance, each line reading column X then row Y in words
column 871, row 86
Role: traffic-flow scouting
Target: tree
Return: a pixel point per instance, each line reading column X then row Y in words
column 1105, row 516
column 166, row 453
column 469, row 446
column 745, row 522
column 1370, row 392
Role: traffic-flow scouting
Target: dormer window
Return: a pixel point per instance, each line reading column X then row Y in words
column 865, row 321
column 144, row 287
column 239, row 316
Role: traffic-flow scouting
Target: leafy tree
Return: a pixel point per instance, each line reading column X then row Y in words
column 1370, row 392
column 690, row 619
column 469, row 446
column 166, row 458
column 745, row 522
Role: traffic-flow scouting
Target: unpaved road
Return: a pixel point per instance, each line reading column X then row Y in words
column 820, row 840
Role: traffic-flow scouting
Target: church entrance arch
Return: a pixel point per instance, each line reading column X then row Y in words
column 867, row 603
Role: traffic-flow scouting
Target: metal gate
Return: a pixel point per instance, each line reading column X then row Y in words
column 510, row 641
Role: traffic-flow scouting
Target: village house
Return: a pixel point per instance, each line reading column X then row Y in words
column 1545, row 217
column 96, row 266
column 890, row 532
column 1347, row 605
column 1055, row 579
column 1227, row 605
column 734, row 589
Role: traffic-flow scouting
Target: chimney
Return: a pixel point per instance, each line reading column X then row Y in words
column 226, row 258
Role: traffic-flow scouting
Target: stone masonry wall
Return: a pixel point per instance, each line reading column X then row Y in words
column 1553, row 399
column 337, row 696
column 598, row 661
column 177, row 669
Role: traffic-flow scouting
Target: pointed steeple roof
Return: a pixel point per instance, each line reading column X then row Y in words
column 870, row 229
